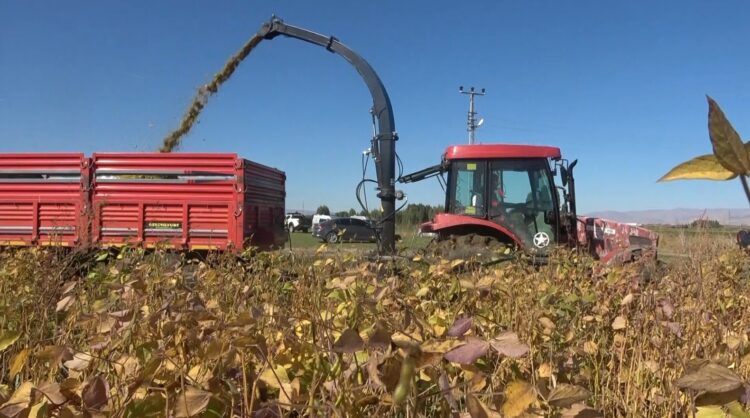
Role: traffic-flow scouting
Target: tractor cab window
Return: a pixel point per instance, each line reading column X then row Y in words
column 521, row 199
column 467, row 188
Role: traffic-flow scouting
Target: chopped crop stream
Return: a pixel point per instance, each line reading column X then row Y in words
column 172, row 140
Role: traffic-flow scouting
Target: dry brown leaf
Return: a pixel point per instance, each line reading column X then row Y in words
column 18, row 401
column 95, row 393
column 477, row 409
column 191, row 402
column 704, row 167
column 507, row 344
column 442, row 347
column 80, row 362
column 727, row 145
column 590, row 347
column 545, row 371
column 18, row 362
column 69, row 286
column 126, row 366
column 54, row 354
column 447, row 391
column 565, row 395
column 380, row 338
column 519, row 396
column 619, row 323
column 349, row 342
column 52, row 392
column 580, row 410
column 7, row 338
column 547, row 323
column 65, row 303
column 710, row 378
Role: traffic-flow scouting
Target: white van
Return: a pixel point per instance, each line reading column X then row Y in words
column 318, row 219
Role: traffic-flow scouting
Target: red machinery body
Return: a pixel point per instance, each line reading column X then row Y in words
column 615, row 242
column 43, row 199
column 185, row 201
column 468, row 166
column 494, row 151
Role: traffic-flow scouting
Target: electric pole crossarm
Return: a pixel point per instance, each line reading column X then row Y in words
column 471, row 119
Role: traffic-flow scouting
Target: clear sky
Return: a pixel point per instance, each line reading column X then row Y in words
column 619, row 85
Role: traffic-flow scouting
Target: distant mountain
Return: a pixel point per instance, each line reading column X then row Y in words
column 677, row 216
column 302, row 211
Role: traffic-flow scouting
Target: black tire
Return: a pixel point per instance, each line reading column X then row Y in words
column 290, row 227
column 332, row 237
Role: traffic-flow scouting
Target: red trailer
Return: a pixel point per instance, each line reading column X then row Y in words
column 186, row 201
column 181, row 200
column 43, row 199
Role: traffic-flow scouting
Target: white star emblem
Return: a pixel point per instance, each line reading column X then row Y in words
column 541, row 240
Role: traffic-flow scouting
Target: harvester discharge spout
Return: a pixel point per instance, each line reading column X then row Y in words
column 383, row 142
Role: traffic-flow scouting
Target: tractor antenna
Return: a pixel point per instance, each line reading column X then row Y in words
column 472, row 122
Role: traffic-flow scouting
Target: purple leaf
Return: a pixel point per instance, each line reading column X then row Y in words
column 459, row 328
column 508, row 344
column 469, row 352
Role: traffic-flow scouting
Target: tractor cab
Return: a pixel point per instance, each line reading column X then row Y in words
column 507, row 192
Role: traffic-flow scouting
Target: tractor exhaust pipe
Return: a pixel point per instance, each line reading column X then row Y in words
column 572, row 189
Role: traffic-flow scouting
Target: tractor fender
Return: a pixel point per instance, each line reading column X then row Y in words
column 460, row 225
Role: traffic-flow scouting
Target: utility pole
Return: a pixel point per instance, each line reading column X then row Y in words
column 472, row 119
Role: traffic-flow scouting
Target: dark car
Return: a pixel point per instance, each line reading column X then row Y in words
column 345, row 229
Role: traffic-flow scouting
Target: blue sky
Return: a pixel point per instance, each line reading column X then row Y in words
column 618, row 85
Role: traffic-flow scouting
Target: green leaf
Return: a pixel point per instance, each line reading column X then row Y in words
column 712, row 411
column 735, row 410
column 705, row 167
column 728, row 147
column 7, row 338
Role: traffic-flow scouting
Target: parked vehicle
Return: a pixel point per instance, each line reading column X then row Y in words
column 345, row 230
column 317, row 219
column 297, row 222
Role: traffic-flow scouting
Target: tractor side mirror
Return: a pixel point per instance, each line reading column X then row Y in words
column 564, row 176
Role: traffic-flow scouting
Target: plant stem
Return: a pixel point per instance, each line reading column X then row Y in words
column 743, row 179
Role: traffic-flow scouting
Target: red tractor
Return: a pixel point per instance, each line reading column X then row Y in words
column 507, row 193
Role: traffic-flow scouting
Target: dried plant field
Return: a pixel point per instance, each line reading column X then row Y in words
column 148, row 334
